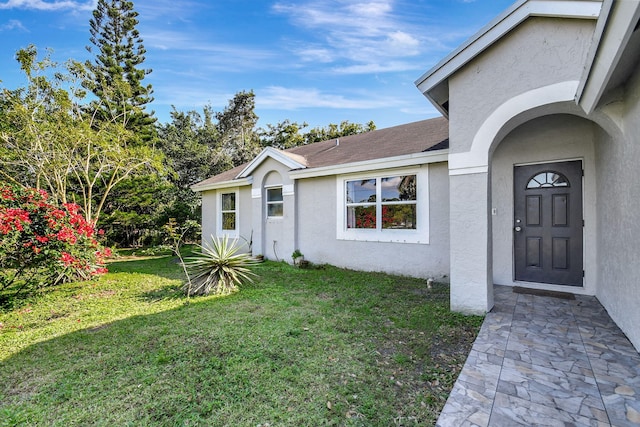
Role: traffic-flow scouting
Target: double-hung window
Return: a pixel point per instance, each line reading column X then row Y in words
column 275, row 202
column 228, row 218
column 389, row 207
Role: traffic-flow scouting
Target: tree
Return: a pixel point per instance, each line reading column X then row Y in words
column 115, row 73
column 289, row 134
column 193, row 152
column 332, row 131
column 50, row 140
column 193, row 147
column 237, row 128
column 283, row 135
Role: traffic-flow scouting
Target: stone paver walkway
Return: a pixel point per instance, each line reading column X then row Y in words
column 547, row 361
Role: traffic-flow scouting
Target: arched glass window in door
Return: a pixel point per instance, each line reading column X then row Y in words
column 548, row 179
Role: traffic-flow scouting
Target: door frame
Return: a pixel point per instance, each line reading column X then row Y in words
column 583, row 184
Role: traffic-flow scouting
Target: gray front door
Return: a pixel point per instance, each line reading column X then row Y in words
column 548, row 223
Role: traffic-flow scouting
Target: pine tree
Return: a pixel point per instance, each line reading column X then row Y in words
column 115, row 75
column 237, row 128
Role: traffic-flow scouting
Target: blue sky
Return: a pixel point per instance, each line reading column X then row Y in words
column 313, row 61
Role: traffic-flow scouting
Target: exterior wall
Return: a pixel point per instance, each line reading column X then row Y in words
column 546, row 139
column 540, row 52
column 618, row 208
column 317, row 201
column 471, row 285
column 211, row 213
column 273, row 237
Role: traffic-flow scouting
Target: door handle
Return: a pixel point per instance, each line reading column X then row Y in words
column 518, row 228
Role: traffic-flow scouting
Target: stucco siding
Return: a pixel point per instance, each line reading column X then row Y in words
column 317, row 202
column 211, row 214
column 245, row 213
column 546, row 139
column 540, row 52
column 618, row 210
column 273, row 237
column 471, row 289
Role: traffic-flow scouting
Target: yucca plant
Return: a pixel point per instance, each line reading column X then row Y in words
column 220, row 268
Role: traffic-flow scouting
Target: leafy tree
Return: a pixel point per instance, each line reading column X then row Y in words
column 237, row 128
column 192, row 146
column 115, row 75
column 332, row 131
column 283, row 135
column 134, row 210
column 289, row 134
column 193, row 152
column 50, row 142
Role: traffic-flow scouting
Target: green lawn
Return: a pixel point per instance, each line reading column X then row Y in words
column 317, row 347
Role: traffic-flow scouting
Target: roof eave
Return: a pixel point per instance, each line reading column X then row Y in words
column 374, row 164
column 613, row 31
column 223, row 184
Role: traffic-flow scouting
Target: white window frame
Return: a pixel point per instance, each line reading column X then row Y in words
column 230, row 233
column 267, row 202
column 418, row 235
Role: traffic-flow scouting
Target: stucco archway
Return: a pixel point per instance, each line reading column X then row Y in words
column 470, row 174
column 557, row 98
column 544, row 134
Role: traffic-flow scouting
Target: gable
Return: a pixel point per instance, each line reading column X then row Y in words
column 434, row 84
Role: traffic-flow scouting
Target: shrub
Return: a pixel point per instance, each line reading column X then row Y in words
column 220, row 268
column 42, row 244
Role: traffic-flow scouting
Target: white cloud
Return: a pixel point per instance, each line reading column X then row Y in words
column 49, row 5
column 291, row 99
column 315, row 54
column 356, row 36
column 13, row 24
column 374, row 68
column 403, row 41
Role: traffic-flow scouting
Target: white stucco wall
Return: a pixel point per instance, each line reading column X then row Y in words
column 546, row 139
column 471, row 285
column 539, row 57
column 273, row 237
column 211, row 212
column 618, row 212
column 317, row 232
column 538, row 53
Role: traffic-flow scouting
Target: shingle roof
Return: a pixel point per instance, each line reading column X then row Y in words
column 411, row 138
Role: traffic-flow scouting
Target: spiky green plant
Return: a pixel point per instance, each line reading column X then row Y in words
column 220, row 267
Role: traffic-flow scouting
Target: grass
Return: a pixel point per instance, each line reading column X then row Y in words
column 316, row 347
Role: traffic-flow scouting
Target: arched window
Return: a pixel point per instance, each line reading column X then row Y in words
column 548, row 179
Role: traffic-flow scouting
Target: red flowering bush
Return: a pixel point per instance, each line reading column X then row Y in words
column 42, row 244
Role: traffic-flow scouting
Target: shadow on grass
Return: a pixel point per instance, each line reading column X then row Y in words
column 329, row 347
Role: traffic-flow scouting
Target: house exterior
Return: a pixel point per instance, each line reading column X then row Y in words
column 532, row 182
column 376, row 201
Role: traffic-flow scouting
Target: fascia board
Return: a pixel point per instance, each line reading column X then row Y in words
column 276, row 155
column 496, row 29
column 370, row 165
column 223, row 184
column 614, row 30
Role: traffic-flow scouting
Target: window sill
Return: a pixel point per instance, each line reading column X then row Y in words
column 379, row 237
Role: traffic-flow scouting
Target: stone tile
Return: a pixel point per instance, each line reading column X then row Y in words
column 463, row 409
column 547, row 362
column 513, row 411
